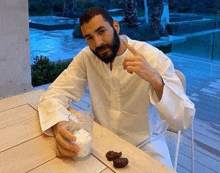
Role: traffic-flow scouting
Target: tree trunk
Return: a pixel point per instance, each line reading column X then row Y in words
column 74, row 8
column 130, row 8
column 156, row 16
column 65, row 8
column 146, row 11
column 108, row 4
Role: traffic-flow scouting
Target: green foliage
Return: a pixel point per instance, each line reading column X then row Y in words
column 82, row 4
column 165, row 49
column 191, row 27
column 45, row 7
column 43, row 71
column 133, row 33
column 58, row 7
column 116, row 4
column 184, row 9
column 58, row 68
column 77, row 33
column 142, row 33
column 37, row 8
column 147, row 33
column 170, row 28
column 196, row 6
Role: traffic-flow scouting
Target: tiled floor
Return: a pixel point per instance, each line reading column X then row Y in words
column 202, row 87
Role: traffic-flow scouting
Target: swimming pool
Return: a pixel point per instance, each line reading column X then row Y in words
column 59, row 44
column 52, row 20
column 204, row 45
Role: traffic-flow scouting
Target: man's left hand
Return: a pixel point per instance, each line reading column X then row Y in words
column 139, row 65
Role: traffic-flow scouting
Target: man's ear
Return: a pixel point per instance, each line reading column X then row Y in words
column 116, row 26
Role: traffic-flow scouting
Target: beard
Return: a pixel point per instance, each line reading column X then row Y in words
column 108, row 52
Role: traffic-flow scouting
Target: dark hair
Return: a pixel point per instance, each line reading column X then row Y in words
column 94, row 11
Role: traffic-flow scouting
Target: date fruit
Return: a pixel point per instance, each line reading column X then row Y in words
column 120, row 162
column 111, row 155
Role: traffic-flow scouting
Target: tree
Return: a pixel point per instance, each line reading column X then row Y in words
column 70, row 8
column 156, row 16
column 106, row 4
column 65, row 7
column 130, row 18
column 74, row 8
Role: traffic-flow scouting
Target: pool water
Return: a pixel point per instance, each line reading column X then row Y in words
column 52, row 20
column 204, row 46
column 60, row 44
column 57, row 44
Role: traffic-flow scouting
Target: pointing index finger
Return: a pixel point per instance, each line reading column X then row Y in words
column 132, row 50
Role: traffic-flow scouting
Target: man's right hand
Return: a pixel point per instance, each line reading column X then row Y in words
column 62, row 134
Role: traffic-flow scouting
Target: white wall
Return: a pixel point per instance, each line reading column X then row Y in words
column 15, row 69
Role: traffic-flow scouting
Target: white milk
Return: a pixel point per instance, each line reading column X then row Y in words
column 84, row 142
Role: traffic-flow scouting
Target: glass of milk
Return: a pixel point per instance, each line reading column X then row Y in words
column 81, row 124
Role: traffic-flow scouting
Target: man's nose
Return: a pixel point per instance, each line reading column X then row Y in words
column 98, row 41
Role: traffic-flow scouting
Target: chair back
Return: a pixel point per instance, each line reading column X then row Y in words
column 182, row 78
column 180, row 132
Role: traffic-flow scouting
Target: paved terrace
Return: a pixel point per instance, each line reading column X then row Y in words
column 202, row 87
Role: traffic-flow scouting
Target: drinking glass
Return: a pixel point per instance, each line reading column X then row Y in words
column 81, row 125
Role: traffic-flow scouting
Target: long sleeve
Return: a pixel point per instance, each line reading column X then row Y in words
column 174, row 108
column 68, row 87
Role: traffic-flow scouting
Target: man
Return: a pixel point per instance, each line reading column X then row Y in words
column 128, row 81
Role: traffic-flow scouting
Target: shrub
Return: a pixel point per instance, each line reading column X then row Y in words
column 184, row 9
column 81, row 4
column 190, row 27
column 36, row 8
column 40, row 70
column 142, row 33
column 43, row 71
column 165, row 49
column 147, row 33
column 58, row 68
column 77, row 33
column 58, row 7
column 133, row 33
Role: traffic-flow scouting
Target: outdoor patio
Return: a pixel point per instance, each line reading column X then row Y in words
column 202, row 87
column 23, row 145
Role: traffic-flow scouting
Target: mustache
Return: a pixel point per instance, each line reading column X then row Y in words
column 103, row 47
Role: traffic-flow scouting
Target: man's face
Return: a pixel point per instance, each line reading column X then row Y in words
column 102, row 39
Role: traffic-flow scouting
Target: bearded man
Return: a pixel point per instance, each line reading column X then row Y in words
column 133, row 87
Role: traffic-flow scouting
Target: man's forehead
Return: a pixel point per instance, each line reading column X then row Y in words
column 96, row 22
column 99, row 18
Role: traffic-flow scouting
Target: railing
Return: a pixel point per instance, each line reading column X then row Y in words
column 202, row 37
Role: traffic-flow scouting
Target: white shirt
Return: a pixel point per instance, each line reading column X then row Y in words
column 122, row 102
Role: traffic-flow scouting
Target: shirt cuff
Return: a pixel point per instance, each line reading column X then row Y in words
column 166, row 105
column 153, row 96
column 48, row 132
column 46, row 126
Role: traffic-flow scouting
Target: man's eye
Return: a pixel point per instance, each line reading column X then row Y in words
column 88, row 38
column 100, row 32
